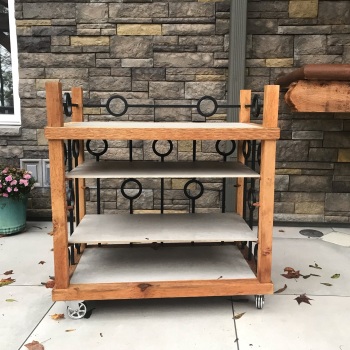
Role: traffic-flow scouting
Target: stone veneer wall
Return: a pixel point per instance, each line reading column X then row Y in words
column 177, row 51
column 166, row 52
column 313, row 181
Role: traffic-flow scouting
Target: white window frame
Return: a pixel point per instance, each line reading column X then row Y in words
column 13, row 119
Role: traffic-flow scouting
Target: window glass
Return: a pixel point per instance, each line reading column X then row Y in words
column 9, row 100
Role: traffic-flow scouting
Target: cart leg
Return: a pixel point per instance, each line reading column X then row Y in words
column 259, row 301
column 76, row 309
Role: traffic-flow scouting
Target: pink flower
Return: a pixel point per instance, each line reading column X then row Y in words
column 9, row 189
column 15, row 189
column 5, row 170
column 5, row 195
column 0, row 185
column 27, row 176
column 13, row 182
column 8, row 178
column 23, row 182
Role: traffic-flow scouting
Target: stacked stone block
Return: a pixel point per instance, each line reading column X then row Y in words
column 176, row 52
column 313, row 179
column 148, row 52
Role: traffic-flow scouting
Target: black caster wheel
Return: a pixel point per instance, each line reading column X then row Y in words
column 259, row 301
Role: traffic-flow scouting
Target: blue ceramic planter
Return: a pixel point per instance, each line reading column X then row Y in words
column 12, row 215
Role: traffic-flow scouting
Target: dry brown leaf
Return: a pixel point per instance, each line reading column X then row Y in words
column 49, row 284
column 303, row 298
column 281, row 231
column 70, row 330
column 57, row 316
column 42, row 262
column 238, row 316
column 291, row 273
column 6, row 281
column 9, row 272
column 281, row 289
column 34, row 345
column 50, row 233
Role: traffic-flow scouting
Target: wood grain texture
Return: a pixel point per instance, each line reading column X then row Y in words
column 244, row 117
column 58, row 187
column 218, row 131
column 267, row 186
column 77, row 116
column 168, row 289
column 319, row 96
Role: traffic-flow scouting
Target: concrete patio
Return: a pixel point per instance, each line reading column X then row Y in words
column 199, row 323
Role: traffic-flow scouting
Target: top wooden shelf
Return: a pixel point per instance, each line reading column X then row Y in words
column 161, row 131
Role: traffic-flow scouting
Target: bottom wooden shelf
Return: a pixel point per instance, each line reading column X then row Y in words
column 166, row 272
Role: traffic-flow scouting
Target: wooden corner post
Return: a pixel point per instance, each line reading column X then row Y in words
column 78, row 116
column 244, row 117
column 58, row 187
column 267, row 185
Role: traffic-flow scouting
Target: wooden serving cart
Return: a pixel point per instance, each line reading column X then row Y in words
column 135, row 256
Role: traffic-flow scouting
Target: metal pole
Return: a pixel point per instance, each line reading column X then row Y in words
column 236, row 76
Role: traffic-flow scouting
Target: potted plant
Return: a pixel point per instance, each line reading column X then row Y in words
column 15, row 185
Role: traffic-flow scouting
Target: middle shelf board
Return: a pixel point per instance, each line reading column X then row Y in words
column 167, row 228
column 144, row 264
column 151, row 169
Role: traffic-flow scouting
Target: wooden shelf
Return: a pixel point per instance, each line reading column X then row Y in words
column 144, row 264
column 144, row 169
column 161, row 131
column 167, row 228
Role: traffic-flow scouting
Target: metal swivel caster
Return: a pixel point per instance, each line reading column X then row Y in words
column 76, row 309
column 259, row 301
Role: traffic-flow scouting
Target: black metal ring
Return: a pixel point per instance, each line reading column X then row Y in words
column 228, row 152
column 97, row 154
column 138, row 183
column 75, row 148
column 70, row 196
column 126, row 106
column 67, row 104
column 209, row 114
column 251, row 198
column 200, row 192
column 259, row 153
column 255, row 107
column 246, row 152
column 164, row 154
column 65, row 151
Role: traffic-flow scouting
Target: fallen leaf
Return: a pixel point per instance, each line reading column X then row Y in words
column 69, row 330
column 42, row 262
column 303, row 298
column 311, row 274
column 57, row 316
column 219, row 277
column 327, row 284
column 291, row 273
column 238, row 316
column 34, row 345
column 101, row 335
column 10, row 300
column 336, row 275
column 315, row 267
column 6, row 281
column 48, row 284
column 50, row 233
column 281, row 289
column 281, row 231
column 9, row 272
